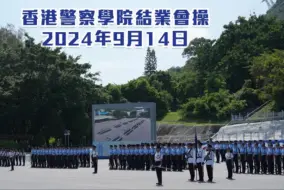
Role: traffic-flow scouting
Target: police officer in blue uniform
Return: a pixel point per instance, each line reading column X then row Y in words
column 263, row 153
column 119, row 154
column 136, row 157
column 152, row 153
column 250, row 157
column 131, row 163
column 225, row 147
column 256, row 158
column 179, row 158
column 277, row 154
column 127, row 157
column 235, row 149
column 173, row 157
column 123, row 157
column 163, row 152
column 115, row 157
column 282, row 154
column 111, row 163
column 147, row 157
column 217, row 151
column 243, row 157
column 270, row 158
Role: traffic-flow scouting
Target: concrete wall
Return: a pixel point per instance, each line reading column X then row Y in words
column 182, row 133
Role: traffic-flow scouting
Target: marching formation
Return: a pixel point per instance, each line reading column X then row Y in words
column 254, row 157
column 175, row 157
column 141, row 156
column 10, row 158
column 60, row 157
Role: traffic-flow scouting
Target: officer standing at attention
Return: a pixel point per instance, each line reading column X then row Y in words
column 158, row 165
column 123, row 157
column 209, row 159
column 148, row 161
column 127, row 154
column 256, row 158
column 270, row 158
column 131, row 157
column 119, row 155
column 282, row 153
column 243, row 157
column 95, row 159
column 115, row 157
column 152, row 156
column 173, row 157
column 200, row 162
column 179, row 157
column 250, row 157
column 145, row 153
column 263, row 152
column 163, row 153
column 167, row 158
column 229, row 162
column 12, row 159
column 217, row 150
column 236, row 156
column 110, row 157
column 191, row 160
column 277, row 153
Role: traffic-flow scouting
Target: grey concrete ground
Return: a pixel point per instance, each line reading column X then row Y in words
column 27, row 178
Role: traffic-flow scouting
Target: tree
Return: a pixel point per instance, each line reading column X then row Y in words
column 43, row 91
column 150, row 62
column 268, row 70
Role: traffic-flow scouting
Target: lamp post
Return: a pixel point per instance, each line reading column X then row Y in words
column 67, row 135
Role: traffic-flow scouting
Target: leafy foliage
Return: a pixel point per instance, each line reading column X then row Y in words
column 214, row 106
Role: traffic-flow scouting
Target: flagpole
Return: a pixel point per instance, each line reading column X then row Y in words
column 196, row 141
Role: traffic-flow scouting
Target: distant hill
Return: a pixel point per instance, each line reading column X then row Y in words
column 277, row 9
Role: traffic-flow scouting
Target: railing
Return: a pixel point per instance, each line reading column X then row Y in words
column 247, row 136
column 265, row 116
column 181, row 138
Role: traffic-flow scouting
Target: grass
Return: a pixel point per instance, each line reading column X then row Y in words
column 260, row 113
column 175, row 118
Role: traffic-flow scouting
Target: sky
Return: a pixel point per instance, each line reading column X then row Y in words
column 120, row 65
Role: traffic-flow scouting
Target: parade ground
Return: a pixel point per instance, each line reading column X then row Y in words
column 82, row 178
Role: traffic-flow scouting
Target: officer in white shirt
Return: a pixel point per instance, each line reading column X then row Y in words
column 229, row 162
column 190, row 156
column 158, row 165
column 209, row 159
column 95, row 159
column 11, row 155
column 200, row 162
